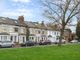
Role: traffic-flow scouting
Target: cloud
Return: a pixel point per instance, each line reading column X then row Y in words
column 22, row 1
column 17, row 12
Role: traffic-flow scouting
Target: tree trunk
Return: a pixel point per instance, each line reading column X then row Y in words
column 61, row 36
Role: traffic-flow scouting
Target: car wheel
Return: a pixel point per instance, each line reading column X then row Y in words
column 0, row 46
column 12, row 45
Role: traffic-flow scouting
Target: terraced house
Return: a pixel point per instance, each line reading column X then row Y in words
column 40, row 31
column 37, row 31
column 12, row 30
column 19, row 31
column 53, row 34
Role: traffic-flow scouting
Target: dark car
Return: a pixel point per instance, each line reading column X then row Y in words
column 46, row 42
column 23, row 44
column 30, row 43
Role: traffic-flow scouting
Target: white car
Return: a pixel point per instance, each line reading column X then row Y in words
column 6, row 44
column 63, row 41
column 74, row 41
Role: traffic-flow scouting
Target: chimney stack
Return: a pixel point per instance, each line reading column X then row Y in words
column 21, row 19
column 42, row 23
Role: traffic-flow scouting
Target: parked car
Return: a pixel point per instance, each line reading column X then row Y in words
column 30, row 43
column 63, row 41
column 53, row 41
column 6, row 44
column 74, row 41
column 23, row 44
column 46, row 42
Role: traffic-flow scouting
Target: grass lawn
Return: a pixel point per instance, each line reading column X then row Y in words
column 66, row 52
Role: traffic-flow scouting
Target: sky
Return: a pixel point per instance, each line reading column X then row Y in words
column 30, row 9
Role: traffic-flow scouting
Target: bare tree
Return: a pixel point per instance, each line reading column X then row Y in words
column 62, row 12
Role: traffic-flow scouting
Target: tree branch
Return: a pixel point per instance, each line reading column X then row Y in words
column 70, row 16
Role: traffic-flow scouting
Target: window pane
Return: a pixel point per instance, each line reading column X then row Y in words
column 16, row 29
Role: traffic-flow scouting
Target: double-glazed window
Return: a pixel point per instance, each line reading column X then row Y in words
column 15, row 38
column 23, row 39
column 42, row 32
column 31, row 38
column 55, row 33
column 11, row 38
column 38, row 32
column 3, row 38
column 16, row 29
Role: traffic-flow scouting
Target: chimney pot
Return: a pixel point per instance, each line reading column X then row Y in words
column 21, row 19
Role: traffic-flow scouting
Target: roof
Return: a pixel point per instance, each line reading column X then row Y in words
column 4, row 33
column 30, row 24
column 49, row 28
column 41, row 26
column 5, row 20
column 9, row 21
column 52, row 27
column 68, row 30
column 35, row 25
